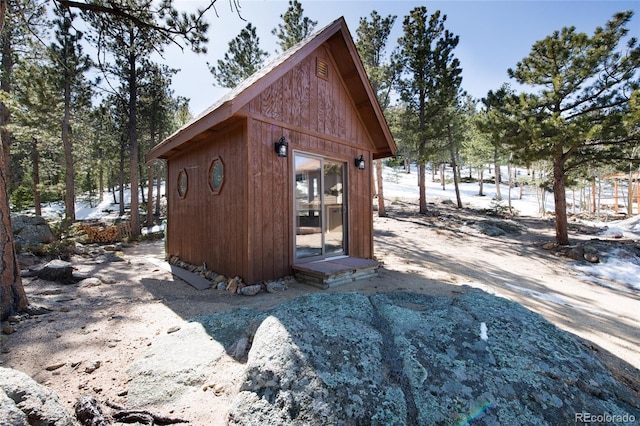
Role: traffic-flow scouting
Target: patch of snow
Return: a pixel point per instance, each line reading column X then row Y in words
column 618, row 267
column 483, row 331
column 553, row 299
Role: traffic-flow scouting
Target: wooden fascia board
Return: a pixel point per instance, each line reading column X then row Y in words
column 184, row 135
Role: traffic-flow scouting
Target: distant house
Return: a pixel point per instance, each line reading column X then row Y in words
column 279, row 171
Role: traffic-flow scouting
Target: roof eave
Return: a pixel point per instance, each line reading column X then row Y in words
column 206, row 122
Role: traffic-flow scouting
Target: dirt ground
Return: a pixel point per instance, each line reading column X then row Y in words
column 116, row 321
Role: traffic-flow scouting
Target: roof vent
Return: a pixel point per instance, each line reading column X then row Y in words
column 322, row 69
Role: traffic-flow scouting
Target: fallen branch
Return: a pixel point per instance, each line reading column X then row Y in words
column 125, row 415
column 89, row 413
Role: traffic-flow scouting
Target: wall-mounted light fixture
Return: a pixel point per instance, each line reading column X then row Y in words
column 360, row 163
column 281, row 147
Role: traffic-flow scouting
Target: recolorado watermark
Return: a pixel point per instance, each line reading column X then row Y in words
column 585, row 417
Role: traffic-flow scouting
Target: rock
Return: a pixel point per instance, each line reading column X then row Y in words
column 219, row 278
column 232, row 286
column 89, row 412
column 54, row 367
column 23, row 402
column 172, row 366
column 90, row 282
column 27, row 259
column 275, row 286
column 8, row 328
column 56, row 270
column 108, row 257
column 251, row 290
column 576, row 253
column 31, row 230
column 549, row 246
column 106, row 279
column 591, row 258
column 79, row 276
column 403, row 358
column 92, row 366
column 221, row 286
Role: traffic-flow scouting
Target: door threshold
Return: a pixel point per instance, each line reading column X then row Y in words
column 327, row 259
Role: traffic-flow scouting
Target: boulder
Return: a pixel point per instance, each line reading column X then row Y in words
column 403, row 358
column 175, row 363
column 31, row 230
column 56, row 270
column 24, row 402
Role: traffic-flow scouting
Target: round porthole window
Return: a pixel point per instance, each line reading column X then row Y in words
column 216, row 175
column 183, row 183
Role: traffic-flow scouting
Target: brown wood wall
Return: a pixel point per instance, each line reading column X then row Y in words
column 208, row 228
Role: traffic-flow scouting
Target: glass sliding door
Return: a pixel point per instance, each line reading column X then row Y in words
column 319, row 207
column 333, row 207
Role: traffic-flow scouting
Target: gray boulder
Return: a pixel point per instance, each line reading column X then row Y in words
column 176, row 362
column 405, row 359
column 31, row 230
column 25, row 402
column 55, row 270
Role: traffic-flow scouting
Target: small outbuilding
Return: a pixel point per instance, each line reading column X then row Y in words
column 278, row 173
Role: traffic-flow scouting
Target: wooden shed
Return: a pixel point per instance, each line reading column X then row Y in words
column 278, row 172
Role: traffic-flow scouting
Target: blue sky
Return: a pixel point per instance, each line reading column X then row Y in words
column 494, row 35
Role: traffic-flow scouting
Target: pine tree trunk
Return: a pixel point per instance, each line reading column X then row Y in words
column 70, row 190
column 101, row 181
column 510, row 185
column 12, row 295
column 150, row 197
column 630, row 193
column 35, row 159
column 481, row 179
column 593, row 195
column 497, row 173
column 454, row 165
column 382, row 212
column 422, row 188
column 121, row 189
column 158, row 191
column 560, row 199
column 133, row 141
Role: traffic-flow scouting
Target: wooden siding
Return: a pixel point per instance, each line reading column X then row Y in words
column 301, row 101
column 208, row 228
column 270, row 217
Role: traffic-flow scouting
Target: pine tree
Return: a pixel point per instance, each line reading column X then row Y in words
column 131, row 44
column 243, row 58
column 476, row 147
column 371, row 44
column 157, row 106
column 576, row 116
column 431, row 83
column 71, row 63
column 12, row 295
column 495, row 122
column 296, row 26
column 168, row 26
